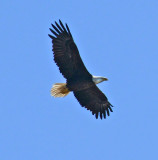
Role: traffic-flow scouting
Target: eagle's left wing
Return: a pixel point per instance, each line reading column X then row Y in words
column 94, row 100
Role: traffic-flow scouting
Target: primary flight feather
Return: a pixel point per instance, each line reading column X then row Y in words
column 78, row 79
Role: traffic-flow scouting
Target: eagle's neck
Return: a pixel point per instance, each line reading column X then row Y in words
column 98, row 79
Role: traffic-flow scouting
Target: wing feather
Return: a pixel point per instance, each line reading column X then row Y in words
column 58, row 26
column 66, row 54
column 56, row 29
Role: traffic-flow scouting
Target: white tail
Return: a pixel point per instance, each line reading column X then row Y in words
column 59, row 90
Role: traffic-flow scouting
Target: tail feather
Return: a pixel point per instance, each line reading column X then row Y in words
column 59, row 90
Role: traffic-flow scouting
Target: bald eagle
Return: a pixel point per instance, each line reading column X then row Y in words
column 78, row 79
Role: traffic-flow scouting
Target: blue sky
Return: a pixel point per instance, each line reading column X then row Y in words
column 116, row 39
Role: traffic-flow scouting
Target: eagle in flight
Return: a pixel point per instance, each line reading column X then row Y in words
column 78, row 79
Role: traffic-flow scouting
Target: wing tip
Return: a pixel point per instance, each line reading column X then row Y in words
column 52, row 37
column 59, row 28
column 103, row 112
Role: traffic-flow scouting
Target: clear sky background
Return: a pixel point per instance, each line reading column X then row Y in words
column 116, row 39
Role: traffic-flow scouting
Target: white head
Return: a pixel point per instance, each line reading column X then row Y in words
column 99, row 79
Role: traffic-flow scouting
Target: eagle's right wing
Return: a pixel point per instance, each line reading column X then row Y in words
column 94, row 100
column 66, row 54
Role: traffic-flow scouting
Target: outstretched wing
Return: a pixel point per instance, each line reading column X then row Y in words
column 95, row 101
column 66, row 54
